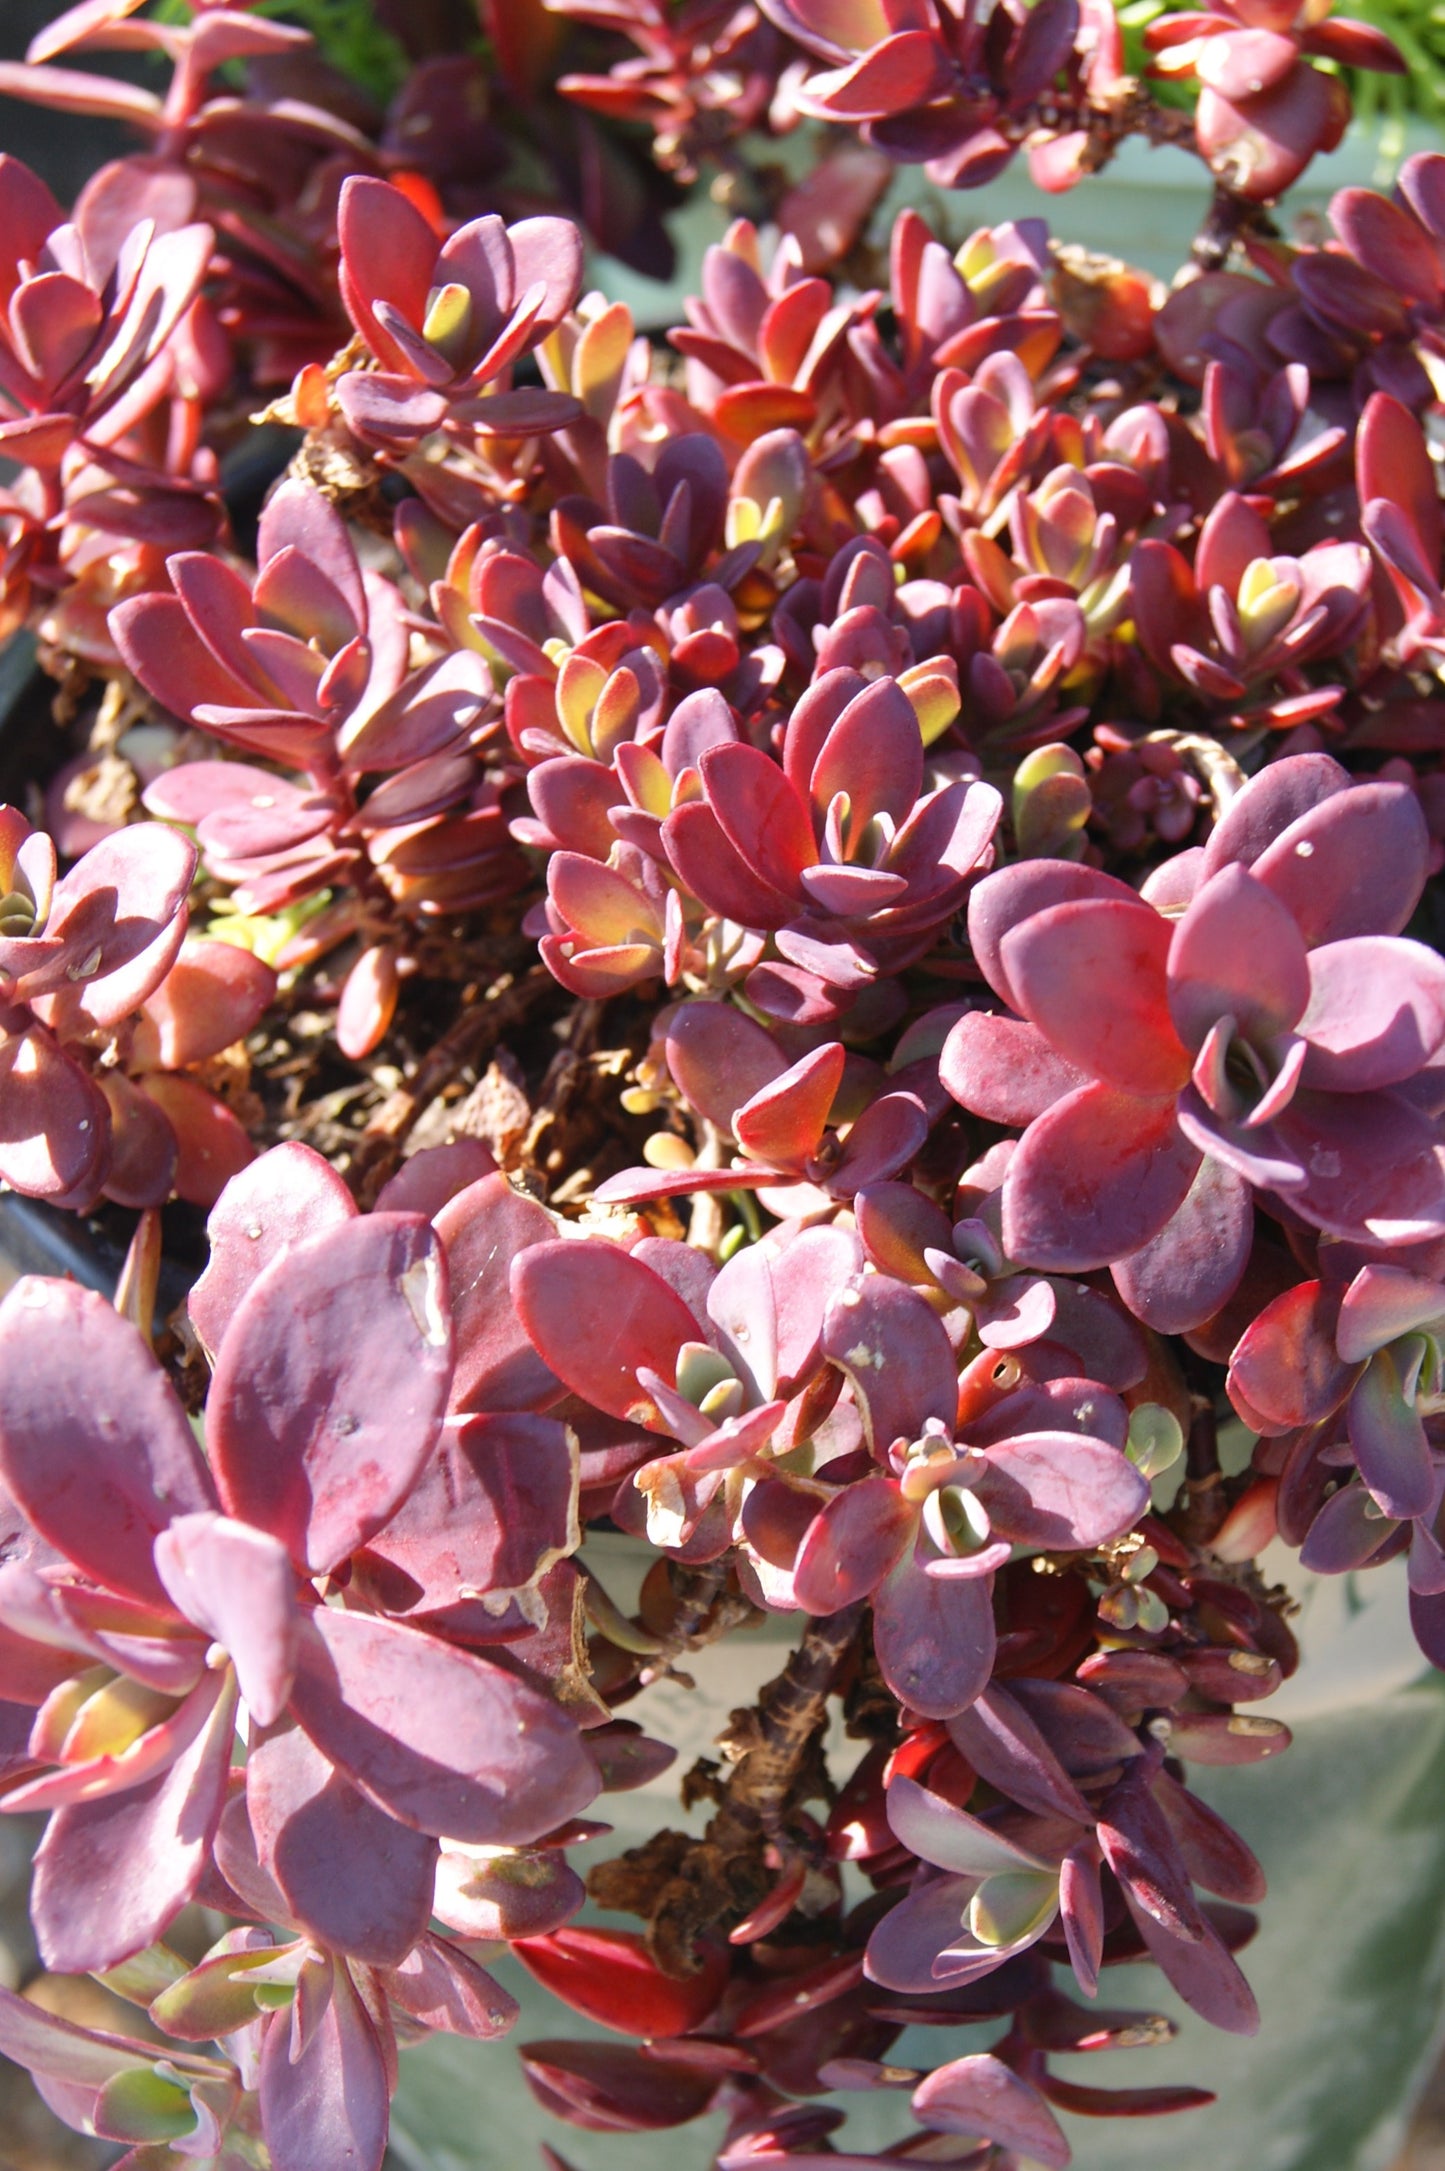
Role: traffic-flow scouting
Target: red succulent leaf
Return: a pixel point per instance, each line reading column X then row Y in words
column 852, row 1545
column 611, row 1977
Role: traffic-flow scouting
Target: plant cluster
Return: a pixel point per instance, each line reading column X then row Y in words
column 975, row 739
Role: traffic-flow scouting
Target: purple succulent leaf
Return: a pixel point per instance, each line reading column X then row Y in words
column 1005, row 900
column 760, row 814
column 1387, row 1435
column 1005, row 1747
column 857, row 1540
column 285, row 1197
column 1353, row 865
column 238, row 1585
column 331, row 1384
column 445, row 1990
column 1186, row 1273
column 1202, row 1970
column 54, row 2049
column 1347, row 1533
column 742, row 1306
column 438, row 1738
column 1236, row 951
column 807, row 1273
column 934, row 1637
column 1381, row 1303
column 1061, row 1489
column 352, row 1877
column 1371, row 1166
column 1214, row 1855
column 725, row 879
column 1004, row 1068
column 120, row 914
column 1095, row 1178
column 883, row 1140
column 720, row 1059
column 494, row 1507
column 85, row 1918
column 94, row 1446
column 895, row 1350
column 979, row 2094
column 1081, row 1910
column 906, row 1943
column 1126, row 1036
column 485, row 1228
column 1376, row 1013
column 332, row 2099
column 55, row 1142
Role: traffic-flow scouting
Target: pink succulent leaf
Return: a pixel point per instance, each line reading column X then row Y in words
column 741, row 1304
column 332, row 2097
column 1286, row 1365
column 855, row 1542
column 1002, row 1743
column 935, row 1638
column 1353, row 865
column 284, row 1197
column 84, row 1918
column 783, row 1123
column 1061, row 1489
column 212, row 996
column 811, row 1268
column 438, row 1738
column 1126, row 1038
column 760, row 814
column 596, row 1315
column 94, row 1446
column 1185, row 1274
column 981, row 2095
column 1381, row 1303
column 1005, row 900
column 431, row 1178
column 1004, row 1068
column 1376, row 1013
column 55, row 1125
column 494, row 1507
column 331, row 1384
column 1095, row 1177
column 1370, row 1162
column 1392, row 462
column 894, row 1349
column 120, row 914
column 1236, row 951
column 352, row 1876
column 1387, row 1434
column 238, row 1585
column 485, row 1228
column 883, row 1140
column 445, row 1990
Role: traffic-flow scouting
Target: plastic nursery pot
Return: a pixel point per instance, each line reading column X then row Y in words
column 1347, row 1828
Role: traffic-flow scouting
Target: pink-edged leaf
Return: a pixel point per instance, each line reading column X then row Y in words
column 85, row 1917
column 935, row 1638
column 494, row 1507
column 1387, row 1434
column 448, row 1993
column 1193, row 1266
column 1061, row 1490
column 284, row 1197
column 237, row 1584
column 1091, row 977
column 852, row 1545
column 1094, row 1178
column 1004, row 1069
column 1376, row 1013
column 351, row 1875
column 331, row 1385
column 783, row 1123
column 94, row 1446
column 435, row 1736
column 330, row 2103
column 485, row 1228
column 981, row 2095
column 1353, row 865
column 894, row 1348
column 1013, row 895
column 596, row 1316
